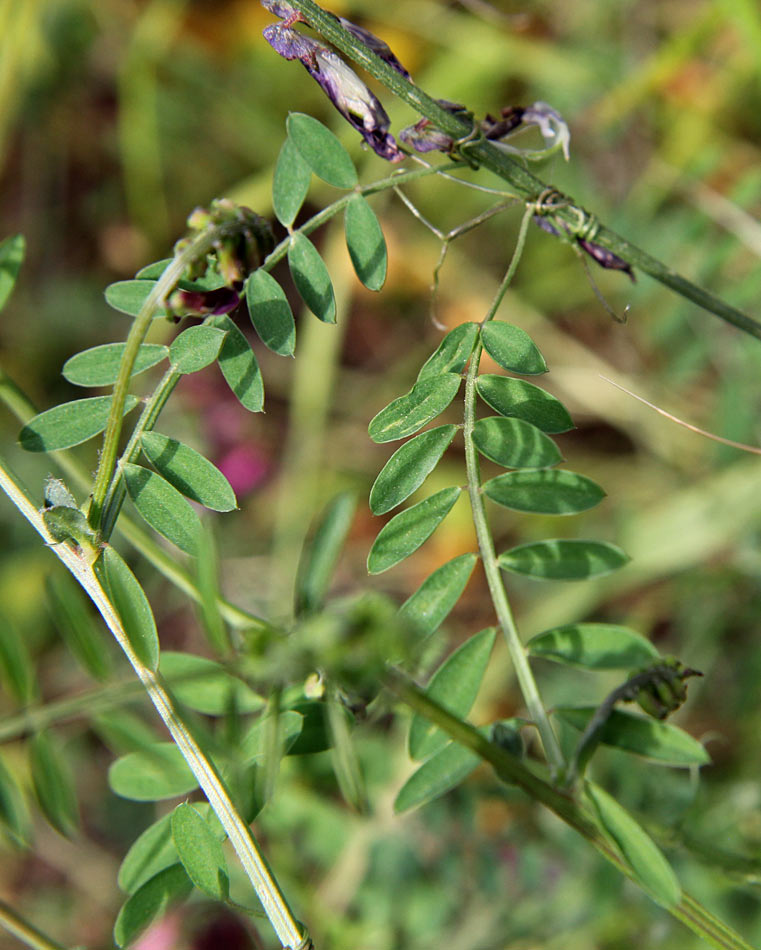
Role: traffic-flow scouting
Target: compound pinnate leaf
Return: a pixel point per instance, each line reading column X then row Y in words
column 512, row 348
column 515, row 443
column 411, row 412
column 659, row 741
column 446, row 769
column 206, row 686
column 128, row 599
column 311, row 277
column 406, row 531
column 453, row 353
column 563, row 560
column 270, row 313
column 409, row 467
column 552, row 493
column 322, row 550
column 149, row 902
column 163, row 507
column 153, row 773
column 454, row 686
column 366, row 244
column 239, row 366
column 427, row 608
column 637, row 848
column 522, row 400
column 594, row 646
column 53, row 783
column 129, row 296
column 190, row 473
column 195, row 348
column 12, row 250
column 290, row 183
column 99, row 366
column 69, row 424
column 321, row 150
column 200, row 852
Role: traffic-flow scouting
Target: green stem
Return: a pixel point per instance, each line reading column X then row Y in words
column 512, row 770
column 116, row 492
column 195, row 249
column 502, row 608
column 23, row 409
column 266, row 887
column 528, row 186
column 24, row 931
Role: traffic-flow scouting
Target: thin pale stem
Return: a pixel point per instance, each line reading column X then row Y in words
column 286, row 927
column 23, row 409
column 523, row 182
column 502, row 608
column 25, row 932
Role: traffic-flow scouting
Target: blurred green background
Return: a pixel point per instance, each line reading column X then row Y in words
column 116, row 119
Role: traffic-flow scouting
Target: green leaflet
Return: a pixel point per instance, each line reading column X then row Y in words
column 211, row 280
column 406, row 531
column 454, row 686
column 150, row 902
column 128, row 599
column 321, row 150
column 516, row 397
column 195, row 348
column 427, row 608
column 553, row 493
column 411, row 412
column 200, row 852
column 188, row 471
column 253, row 743
column 53, row 783
column 99, row 366
column 365, row 242
column 17, row 671
column 206, row 686
column 128, row 296
column 514, row 443
column 13, row 810
column 12, row 250
column 637, row 848
column 344, row 758
column 408, row 468
column 594, row 646
column 69, row 424
column 311, row 277
column 290, row 183
column 270, row 312
column 152, row 851
column 315, row 733
column 563, row 560
column 239, row 365
column 659, row 741
column 153, row 773
column 76, row 624
column 163, row 507
column 321, row 552
column 512, row 348
column 453, row 353
column 446, row 769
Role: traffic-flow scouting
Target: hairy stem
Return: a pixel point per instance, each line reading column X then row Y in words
column 289, row 932
column 502, row 608
column 527, row 185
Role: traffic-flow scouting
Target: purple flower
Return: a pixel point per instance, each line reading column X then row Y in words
column 425, row 137
column 344, row 88
column 198, row 303
column 373, row 42
column 606, row 258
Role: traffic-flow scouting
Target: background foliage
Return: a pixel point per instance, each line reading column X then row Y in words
column 116, row 118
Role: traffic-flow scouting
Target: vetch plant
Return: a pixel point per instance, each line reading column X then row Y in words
column 276, row 688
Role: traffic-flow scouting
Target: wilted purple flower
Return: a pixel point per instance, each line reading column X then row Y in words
column 606, row 258
column 344, row 88
column 199, row 303
column 550, row 123
column 425, row 137
column 373, row 42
